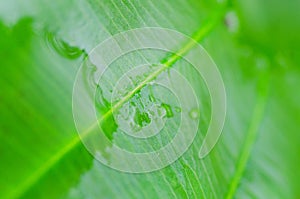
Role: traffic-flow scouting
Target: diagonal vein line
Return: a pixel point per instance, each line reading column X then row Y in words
column 207, row 27
column 119, row 11
column 251, row 135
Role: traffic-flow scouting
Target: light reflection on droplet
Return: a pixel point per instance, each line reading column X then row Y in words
column 194, row 113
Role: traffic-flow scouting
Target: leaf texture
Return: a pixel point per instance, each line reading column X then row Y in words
column 42, row 46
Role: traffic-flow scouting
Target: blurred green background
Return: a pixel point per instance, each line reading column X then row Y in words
column 255, row 44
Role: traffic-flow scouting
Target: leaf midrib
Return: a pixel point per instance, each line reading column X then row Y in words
column 252, row 132
column 207, row 27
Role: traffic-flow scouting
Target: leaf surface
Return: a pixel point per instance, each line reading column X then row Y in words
column 42, row 47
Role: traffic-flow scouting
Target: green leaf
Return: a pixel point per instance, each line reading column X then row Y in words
column 42, row 45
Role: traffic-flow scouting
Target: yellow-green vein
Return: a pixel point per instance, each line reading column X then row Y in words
column 251, row 135
column 53, row 160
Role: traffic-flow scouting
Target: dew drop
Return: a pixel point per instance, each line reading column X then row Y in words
column 177, row 109
column 194, row 113
column 232, row 21
column 161, row 111
column 151, row 98
column 89, row 71
column 141, row 118
column 169, row 112
column 151, row 83
column 62, row 47
column 108, row 124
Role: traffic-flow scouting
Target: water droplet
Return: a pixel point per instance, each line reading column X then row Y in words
column 108, row 123
column 151, row 98
column 232, row 21
column 168, row 108
column 141, row 118
column 62, row 47
column 161, row 111
column 177, row 109
column 151, row 83
column 89, row 71
column 194, row 113
column 151, row 94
